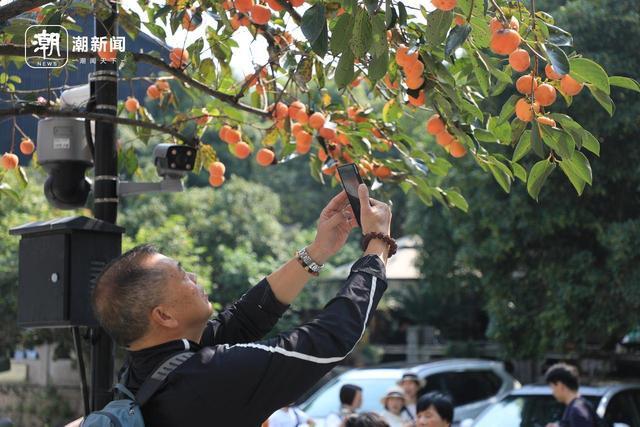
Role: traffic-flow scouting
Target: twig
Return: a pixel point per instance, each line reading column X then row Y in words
column 18, row 50
column 30, row 109
column 504, row 17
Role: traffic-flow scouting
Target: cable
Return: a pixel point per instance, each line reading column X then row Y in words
column 83, row 377
column 87, row 127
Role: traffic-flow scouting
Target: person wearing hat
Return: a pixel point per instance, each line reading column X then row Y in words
column 411, row 383
column 394, row 402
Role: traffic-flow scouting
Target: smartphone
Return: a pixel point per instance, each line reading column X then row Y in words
column 350, row 179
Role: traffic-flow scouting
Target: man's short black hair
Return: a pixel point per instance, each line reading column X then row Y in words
column 565, row 374
column 441, row 402
column 366, row 419
column 348, row 393
column 125, row 293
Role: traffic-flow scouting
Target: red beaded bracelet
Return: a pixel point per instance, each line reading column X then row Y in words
column 393, row 246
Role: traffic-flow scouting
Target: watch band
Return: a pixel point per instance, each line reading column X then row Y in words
column 308, row 262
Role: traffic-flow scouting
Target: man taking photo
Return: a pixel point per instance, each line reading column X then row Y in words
column 154, row 308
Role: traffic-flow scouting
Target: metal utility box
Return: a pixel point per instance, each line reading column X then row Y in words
column 59, row 262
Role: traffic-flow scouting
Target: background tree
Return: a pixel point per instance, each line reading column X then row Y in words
column 555, row 275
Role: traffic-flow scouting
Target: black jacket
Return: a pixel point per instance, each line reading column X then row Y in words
column 235, row 380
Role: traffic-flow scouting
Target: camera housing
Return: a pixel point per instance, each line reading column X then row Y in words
column 64, row 153
column 174, row 161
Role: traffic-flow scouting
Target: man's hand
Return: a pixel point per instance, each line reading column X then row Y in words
column 334, row 225
column 375, row 215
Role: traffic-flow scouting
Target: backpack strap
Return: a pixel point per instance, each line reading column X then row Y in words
column 153, row 383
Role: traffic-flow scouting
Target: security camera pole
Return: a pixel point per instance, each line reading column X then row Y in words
column 105, row 206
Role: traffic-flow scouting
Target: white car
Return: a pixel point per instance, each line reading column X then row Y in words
column 472, row 384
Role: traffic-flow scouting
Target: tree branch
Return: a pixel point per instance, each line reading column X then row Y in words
column 30, row 109
column 18, row 7
column 289, row 8
column 19, row 50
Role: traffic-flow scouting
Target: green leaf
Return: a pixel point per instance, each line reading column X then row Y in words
column 402, row 14
column 472, row 109
column 304, row 72
column 519, row 171
column 438, row 24
column 536, row 141
column 577, row 182
column 313, row 22
column 590, row 142
column 361, row 36
column 482, row 74
column 558, row 58
column 341, row 34
column 319, row 73
column 344, row 70
column 130, row 22
column 391, row 112
column 624, row 82
column 457, row 200
column 130, row 161
column 484, row 135
column 390, row 15
column 603, row 99
column 501, row 177
column 508, row 108
column 349, row 5
column 379, row 45
column 580, row 165
column 21, row 177
column 587, row 71
column 523, row 147
column 559, row 140
column 502, row 130
column 566, row 121
column 537, row 177
column 321, row 44
column 558, row 36
column 457, row 36
column 481, row 33
column 207, row 70
column 378, row 67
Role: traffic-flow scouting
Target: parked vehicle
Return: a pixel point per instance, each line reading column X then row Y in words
column 534, row 406
column 473, row 385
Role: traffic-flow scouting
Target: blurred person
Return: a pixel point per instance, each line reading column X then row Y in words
column 350, row 402
column 565, row 382
column 366, row 419
column 434, row 410
column 411, row 384
column 289, row 416
column 394, row 403
column 149, row 304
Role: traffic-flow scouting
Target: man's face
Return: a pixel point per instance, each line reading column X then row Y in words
column 410, row 388
column 557, row 390
column 430, row 418
column 183, row 297
column 357, row 400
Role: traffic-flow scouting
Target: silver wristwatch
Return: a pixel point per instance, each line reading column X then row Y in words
column 310, row 263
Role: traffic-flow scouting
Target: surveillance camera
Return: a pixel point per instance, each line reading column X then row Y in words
column 174, row 161
column 63, row 152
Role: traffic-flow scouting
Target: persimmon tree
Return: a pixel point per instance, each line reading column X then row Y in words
column 453, row 59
